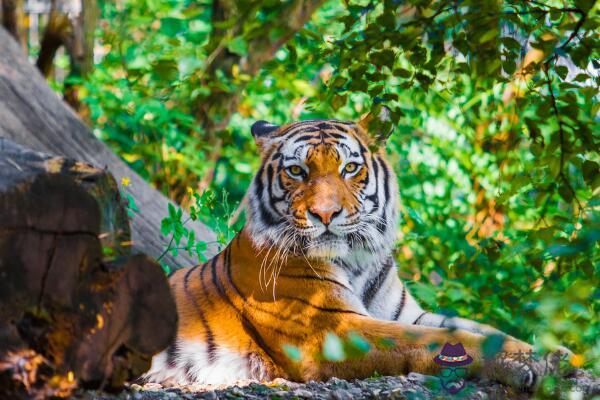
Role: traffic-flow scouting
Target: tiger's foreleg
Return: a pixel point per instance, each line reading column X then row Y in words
column 443, row 321
column 414, row 349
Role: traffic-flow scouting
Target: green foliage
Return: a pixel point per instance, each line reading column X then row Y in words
column 497, row 164
column 203, row 208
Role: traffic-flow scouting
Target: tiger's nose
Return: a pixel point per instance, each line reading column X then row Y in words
column 325, row 213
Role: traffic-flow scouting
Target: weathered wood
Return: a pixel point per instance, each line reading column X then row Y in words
column 71, row 312
column 32, row 115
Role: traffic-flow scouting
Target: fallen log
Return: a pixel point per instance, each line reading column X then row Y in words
column 76, row 309
column 33, row 115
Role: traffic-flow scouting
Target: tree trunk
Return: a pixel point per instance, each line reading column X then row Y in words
column 75, row 307
column 12, row 19
column 32, row 115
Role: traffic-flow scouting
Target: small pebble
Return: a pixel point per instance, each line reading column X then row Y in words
column 153, row 386
column 135, row 387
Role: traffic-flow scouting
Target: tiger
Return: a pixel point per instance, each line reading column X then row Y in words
column 315, row 259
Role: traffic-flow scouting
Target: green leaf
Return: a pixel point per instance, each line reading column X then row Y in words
column 292, row 352
column 131, row 203
column 402, row 73
column 565, row 192
column 356, row 345
column 172, row 26
column 511, row 43
column 166, row 69
column 333, row 348
column 509, row 66
column 172, row 212
column 590, row 171
column 492, row 345
column 562, row 71
column 238, row 46
column 166, row 227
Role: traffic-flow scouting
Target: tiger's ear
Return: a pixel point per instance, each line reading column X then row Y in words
column 378, row 123
column 262, row 131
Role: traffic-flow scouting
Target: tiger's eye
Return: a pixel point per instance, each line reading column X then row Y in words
column 295, row 170
column 350, row 167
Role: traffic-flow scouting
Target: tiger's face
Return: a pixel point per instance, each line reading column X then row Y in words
column 321, row 192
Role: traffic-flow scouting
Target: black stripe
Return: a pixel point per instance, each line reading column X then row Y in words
column 172, row 353
column 373, row 285
column 227, row 263
column 248, row 326
column 299, row 127
column 210, row 339
column 204, row 288
column 355, row 272
column 443, row 322
column 386, row 178
column 381, row 225
column 215, row 280
column 265, row 214
column 374, row 198
column 272, row 198
column 401, row 304
column 363, row 148
column 304, row 138
column 315, row 278
column 229, row 276
column 314, row 125
column 254, row 334
column 419, row 318
column 336, row 136
column 321, row 308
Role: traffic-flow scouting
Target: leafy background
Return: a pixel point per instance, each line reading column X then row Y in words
column 495, row 105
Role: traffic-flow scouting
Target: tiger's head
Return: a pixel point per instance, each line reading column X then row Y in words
column 323, row 190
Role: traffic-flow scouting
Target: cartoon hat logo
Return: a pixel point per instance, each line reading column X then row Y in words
column 453, row 358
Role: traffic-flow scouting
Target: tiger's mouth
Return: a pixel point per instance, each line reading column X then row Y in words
column 328, row 236
column 327, row 245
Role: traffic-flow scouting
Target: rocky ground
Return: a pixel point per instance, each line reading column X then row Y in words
column 411, row 387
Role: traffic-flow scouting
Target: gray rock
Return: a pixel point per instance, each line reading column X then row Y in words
column 416, row 377
column 340, row 394
column 210, row 395
column 236, row 391
column 303, row 393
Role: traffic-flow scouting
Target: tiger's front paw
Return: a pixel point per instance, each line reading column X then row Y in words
column 520, row 367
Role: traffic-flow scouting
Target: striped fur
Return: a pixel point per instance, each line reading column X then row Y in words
column 314, row 257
